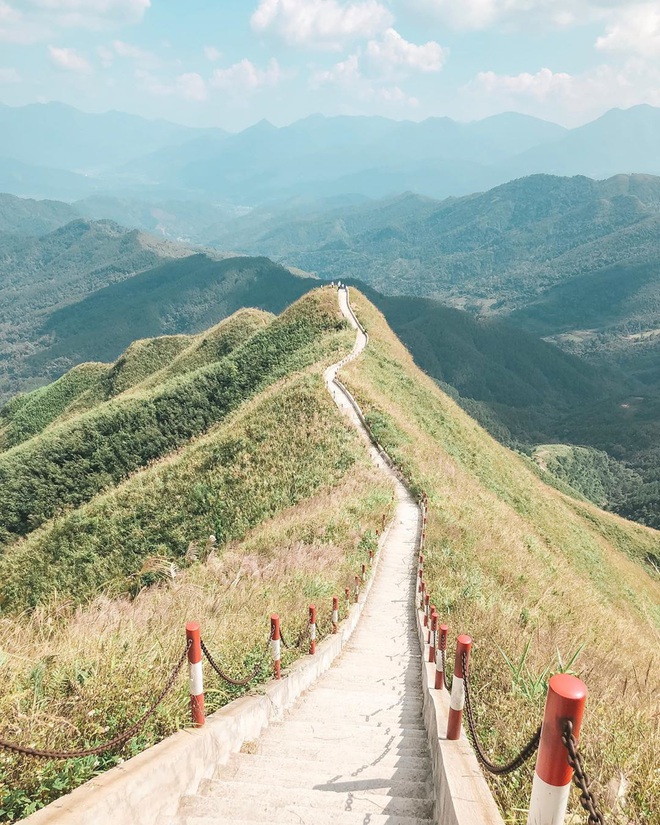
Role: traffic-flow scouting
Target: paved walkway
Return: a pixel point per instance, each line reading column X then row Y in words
column 353, row 749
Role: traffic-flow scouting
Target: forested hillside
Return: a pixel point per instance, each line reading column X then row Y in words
column 86, row 290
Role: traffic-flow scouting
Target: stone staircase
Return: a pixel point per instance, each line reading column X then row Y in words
column 353, row 750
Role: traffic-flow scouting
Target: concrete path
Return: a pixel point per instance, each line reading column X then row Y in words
column 353, row 750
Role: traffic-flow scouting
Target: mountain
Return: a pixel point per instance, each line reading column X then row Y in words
column 621, row 141
column 367, row 155
column 31, row 181
column 183, row 221
column 52, row 150
column 56, row 135
column 32, row 217
column 497, row 251
column 213, row 476
column 86, row 290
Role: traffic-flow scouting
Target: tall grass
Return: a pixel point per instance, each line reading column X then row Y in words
column 535, row 573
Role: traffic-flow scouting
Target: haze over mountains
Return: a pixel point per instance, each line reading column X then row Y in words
column 80, row 154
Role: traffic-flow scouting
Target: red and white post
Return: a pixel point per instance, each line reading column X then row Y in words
column 457, row 701
column 433, row 635
column 335, row 614
column 357, row 588
column 195, row 677
column 276, row 645
column 348, row 600
column 442, row 646
column 364, row 573
column 422, row 591
column 427, row 599
column 371, row 557
column 428, row 634
column 551, row 787
column 312, row 630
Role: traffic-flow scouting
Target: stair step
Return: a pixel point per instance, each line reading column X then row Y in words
column 378, row 780
column 350, row 763
column 247, row 799
column 369, row 751
column 300, row 815
column 311, row 728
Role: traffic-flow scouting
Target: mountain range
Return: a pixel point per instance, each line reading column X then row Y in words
column 52, row 150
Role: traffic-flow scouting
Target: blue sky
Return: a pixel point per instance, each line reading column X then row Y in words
column 230, row 63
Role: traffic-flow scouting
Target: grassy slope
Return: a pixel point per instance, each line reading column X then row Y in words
column 285, row 485
column 510, row 559
column 79, row 458
column 146, row 363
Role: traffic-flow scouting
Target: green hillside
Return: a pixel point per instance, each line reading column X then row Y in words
column 80, row 457
column 212, row 476
column 512, row 561
column 86, row 290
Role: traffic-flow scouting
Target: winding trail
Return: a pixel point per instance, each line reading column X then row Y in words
column 353, row 750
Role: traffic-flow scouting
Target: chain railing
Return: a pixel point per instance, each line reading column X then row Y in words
column 230, row 679
column 112, row 744
column 508, row 767
column 580, row 779
column 566, row 771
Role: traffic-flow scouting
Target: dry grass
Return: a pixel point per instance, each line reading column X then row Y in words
column 509, row 560
column 73, row 676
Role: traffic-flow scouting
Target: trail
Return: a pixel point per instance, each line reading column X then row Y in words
column 353, row 749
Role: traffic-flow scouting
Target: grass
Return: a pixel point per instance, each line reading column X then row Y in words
column 74, row 676
column 273, row 507
column 522, row 567
column 68, row 464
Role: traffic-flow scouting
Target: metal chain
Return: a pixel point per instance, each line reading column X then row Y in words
column 121, row 739
column 284, row 642
column 448, row 684
column 519, row 760
column 223, row 675
column 580, row 779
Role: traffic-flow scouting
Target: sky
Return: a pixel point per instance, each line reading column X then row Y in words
column 230, row 63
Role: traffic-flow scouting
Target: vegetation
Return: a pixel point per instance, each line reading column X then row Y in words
column 510, row 560
column 274, row 505
column 79, row 458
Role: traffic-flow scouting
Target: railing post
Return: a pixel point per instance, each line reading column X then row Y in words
column 312, row 630
column 442, row 646
column 371, row 557
column 348, row 600
column 335, row 614
column 276, row 645
column 457, row 701
column 364, row 573
column 433, row 634
column 422, row 589
column 427, row 599
column 552, row 778
column 195, row 676
column 357, row 588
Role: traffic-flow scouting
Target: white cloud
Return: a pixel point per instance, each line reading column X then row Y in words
column 212, row 54
column 244, row 76
column 393, row 52
column 191, row 86
column 571, row 99
column 482, row 14
column 634, row 29
column 106, row 56
column 348, row 77
column 8, row 76
column 344, row 73
column 540, row 85
column 141, row 57
column 69, row 60
column 90, row 14
column 324, row 24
